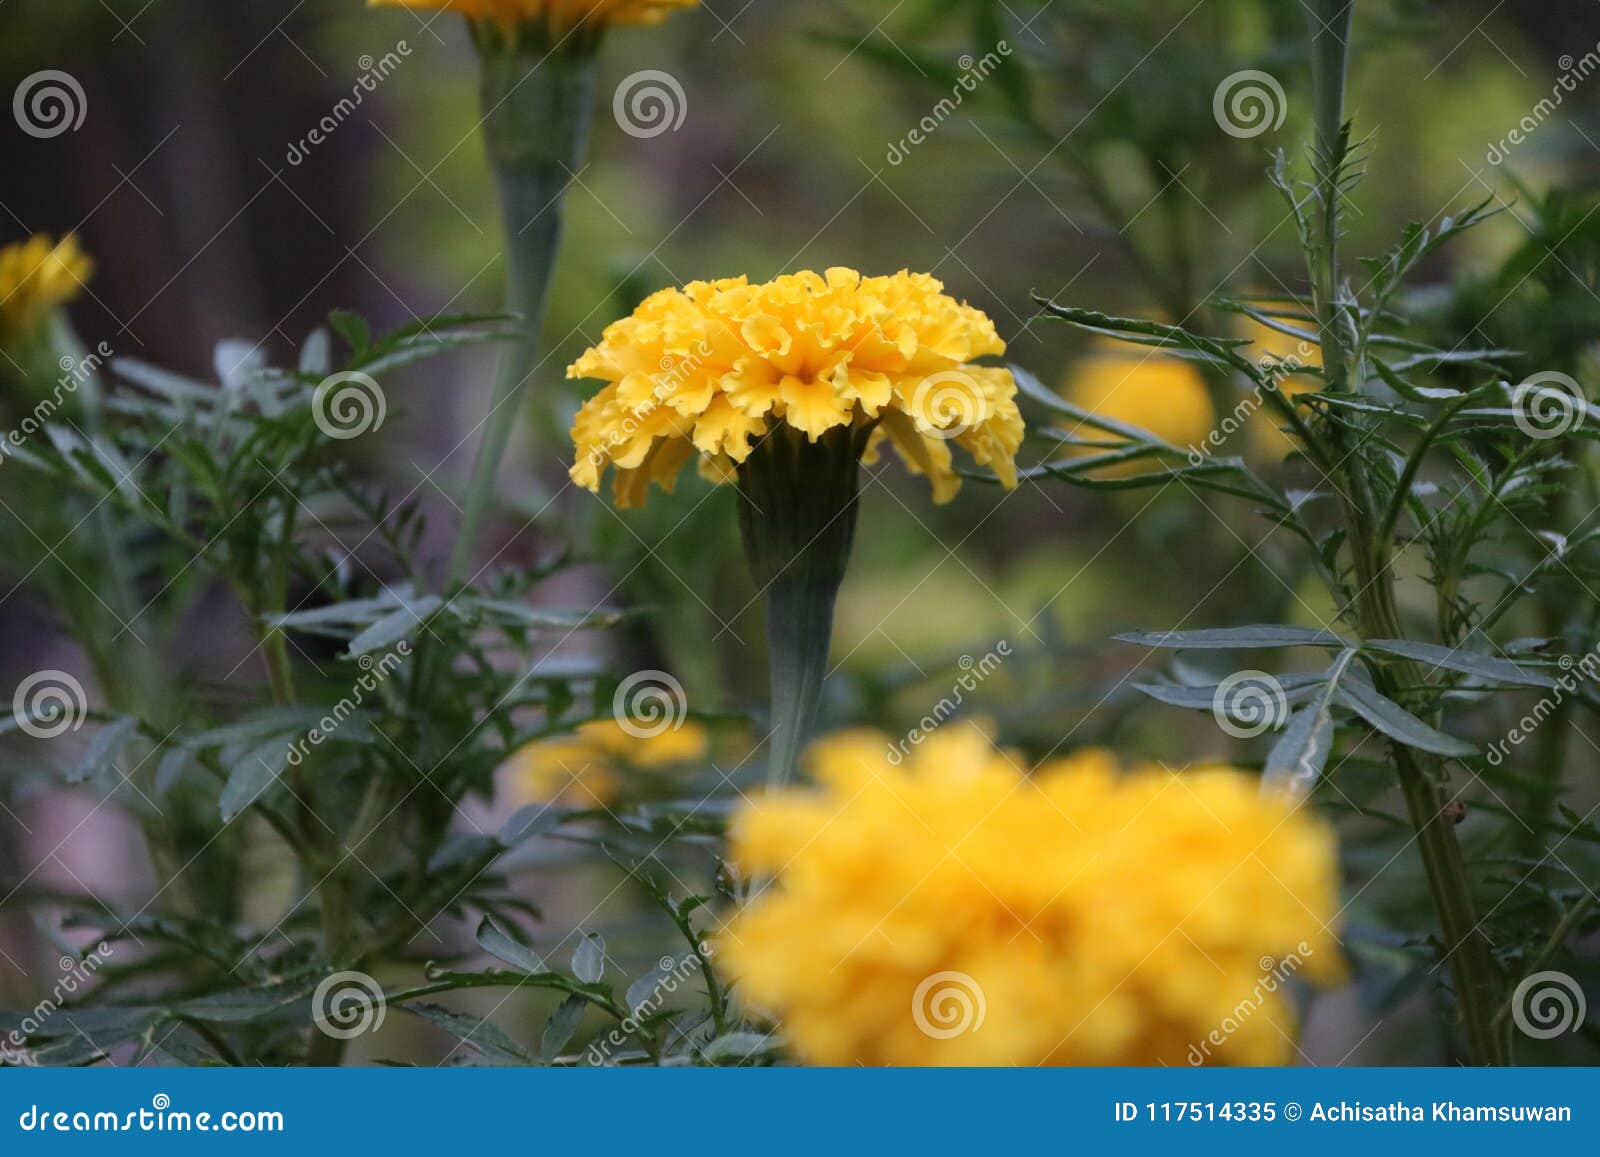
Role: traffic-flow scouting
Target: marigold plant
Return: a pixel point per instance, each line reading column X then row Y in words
column 587, row 768
column 713, row 367
column 950, row 910
column 37, row 276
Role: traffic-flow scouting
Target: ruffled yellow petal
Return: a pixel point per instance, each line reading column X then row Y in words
column 935, row 905
column 814, row 351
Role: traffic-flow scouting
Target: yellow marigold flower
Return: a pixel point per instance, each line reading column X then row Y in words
column 588, row 768
column 937, row 907
column 37, row 276
column 561, row 14
column 1164, row 395
column 713, row 367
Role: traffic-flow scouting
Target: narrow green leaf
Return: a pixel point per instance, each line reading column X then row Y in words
column 1465, row 662
column 1235, row 638
column 1396, row 722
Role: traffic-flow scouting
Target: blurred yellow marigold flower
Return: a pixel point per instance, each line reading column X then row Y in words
column 588, row 768
column 37, row 276
column 1164, row 395
column 711, row 368
column 937, row 907
column 561, row 14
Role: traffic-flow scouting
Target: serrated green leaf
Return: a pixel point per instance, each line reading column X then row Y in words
column 562, row 1025
column 589, row 960
column 502, row 946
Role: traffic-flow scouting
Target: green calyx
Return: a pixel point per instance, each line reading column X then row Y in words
column 797, row 517
column 538, row 105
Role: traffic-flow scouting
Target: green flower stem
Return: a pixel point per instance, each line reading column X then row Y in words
column 1378, row 616
column 538, row 103
column 797, row 516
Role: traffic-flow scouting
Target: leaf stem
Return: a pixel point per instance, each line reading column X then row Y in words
column 1466, row 950
column 538, row 103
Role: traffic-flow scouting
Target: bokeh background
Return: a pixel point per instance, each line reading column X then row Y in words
column 1123, row 195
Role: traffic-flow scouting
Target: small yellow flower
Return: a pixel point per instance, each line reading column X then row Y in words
column 1164, row 395
column 935, row 906
column 588, row 769
column 712, row 368
column 37, row 276
column 561, row 14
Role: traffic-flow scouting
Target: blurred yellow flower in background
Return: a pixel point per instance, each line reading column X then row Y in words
column 1164, row 395
column 938, row 907
column 588, row 769
column 37, row 276
column 711, row 368
column 561, row 14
